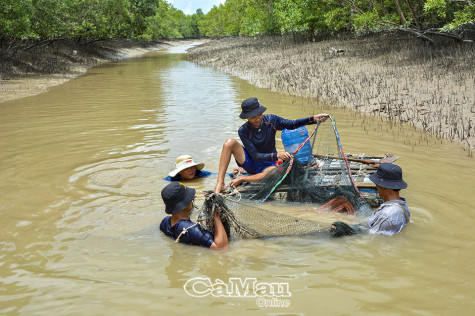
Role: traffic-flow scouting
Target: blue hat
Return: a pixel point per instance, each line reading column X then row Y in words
column 251, row 107
column 177, row 197
column 388, row 176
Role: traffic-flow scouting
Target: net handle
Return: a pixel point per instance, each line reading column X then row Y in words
column 306, row 140
column 344, row 156
column 310, row 156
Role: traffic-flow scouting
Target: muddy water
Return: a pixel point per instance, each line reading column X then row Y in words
column 81, row 171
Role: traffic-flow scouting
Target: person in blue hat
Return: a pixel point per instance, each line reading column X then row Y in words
column 258, row 154
column 393, row 214
column 178, row 200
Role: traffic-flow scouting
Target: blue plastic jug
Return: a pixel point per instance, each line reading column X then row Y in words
column 292, row 138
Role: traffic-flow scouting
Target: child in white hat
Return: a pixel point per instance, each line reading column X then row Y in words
column 187, row 169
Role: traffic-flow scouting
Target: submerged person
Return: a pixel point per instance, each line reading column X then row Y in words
column 393, row 215
column 178, row 200
column 259, row 154
column 187, row 169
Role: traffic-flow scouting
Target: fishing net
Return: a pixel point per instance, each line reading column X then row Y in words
column 324, row 179
column 244, row 221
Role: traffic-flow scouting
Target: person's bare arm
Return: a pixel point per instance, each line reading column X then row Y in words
column 220, row 236
column 252, row 178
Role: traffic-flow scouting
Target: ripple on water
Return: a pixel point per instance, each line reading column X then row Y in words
column 115, row 196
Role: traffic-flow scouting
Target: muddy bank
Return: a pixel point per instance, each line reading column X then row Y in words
column 28, row 71
column 396, row 77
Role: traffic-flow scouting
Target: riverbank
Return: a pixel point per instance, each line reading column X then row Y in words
column 35, row 70
column 394, row 76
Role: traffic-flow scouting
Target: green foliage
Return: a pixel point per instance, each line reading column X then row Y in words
column 259, row 18
column 151, row 19
column 436, row 6
column 94, row 19
column 461, row 18
column 365, row 22
column 15, row 19
column 320, row 16
column 337, row 19
column 164, row 24
column 291, row 16
column 211, row 24
column 452, row 14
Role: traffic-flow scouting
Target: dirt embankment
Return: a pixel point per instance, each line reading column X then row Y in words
column 397, row 77
column 28, row 69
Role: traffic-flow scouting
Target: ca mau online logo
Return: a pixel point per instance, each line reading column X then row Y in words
column 267, row 294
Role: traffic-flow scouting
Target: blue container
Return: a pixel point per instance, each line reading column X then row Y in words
column 292, row 138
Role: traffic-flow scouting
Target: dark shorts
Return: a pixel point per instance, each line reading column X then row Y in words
column 252, row 166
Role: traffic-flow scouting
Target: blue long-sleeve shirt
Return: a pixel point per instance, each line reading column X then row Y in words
column 193, row 235
column 260, row 142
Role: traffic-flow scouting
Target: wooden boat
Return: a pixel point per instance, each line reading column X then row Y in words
column 361, row 167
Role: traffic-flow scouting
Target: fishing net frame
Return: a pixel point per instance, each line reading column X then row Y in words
column 321, row 181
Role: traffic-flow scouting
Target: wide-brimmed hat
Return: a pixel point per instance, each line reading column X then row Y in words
column 388, row 176
column 251, row 107
column 177, row 197
column 183, row 162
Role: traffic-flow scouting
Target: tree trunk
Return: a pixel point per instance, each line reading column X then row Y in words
column 371, row 4
column 401, row 14
column 383, row 7
column 413, row 13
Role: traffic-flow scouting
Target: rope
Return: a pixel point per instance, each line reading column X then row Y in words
column 285, row 175
column 344, row 156
column 184, row 231
column 233, row 192
column 306, row 140
column 292, row 161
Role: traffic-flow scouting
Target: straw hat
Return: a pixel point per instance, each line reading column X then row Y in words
column 183, row 162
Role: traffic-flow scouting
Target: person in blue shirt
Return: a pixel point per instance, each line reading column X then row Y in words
column 258, row 154
column 393, row 215
column 187, row 169
column 178, row 200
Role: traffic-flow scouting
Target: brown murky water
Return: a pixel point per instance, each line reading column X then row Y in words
column 81, row 171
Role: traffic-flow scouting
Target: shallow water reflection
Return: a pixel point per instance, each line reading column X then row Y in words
column 83, row 166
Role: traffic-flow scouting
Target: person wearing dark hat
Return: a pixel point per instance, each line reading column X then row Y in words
column 259, row 154
column 393, row 214
column 178, row 200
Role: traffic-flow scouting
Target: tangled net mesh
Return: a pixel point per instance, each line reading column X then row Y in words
column 244, row 221
column 323, row 181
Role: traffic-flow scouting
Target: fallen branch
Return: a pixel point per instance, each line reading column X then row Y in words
column 410, row 31
column 469, row 2
column 452, row 36
column 417, row 34
column 40, row 43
